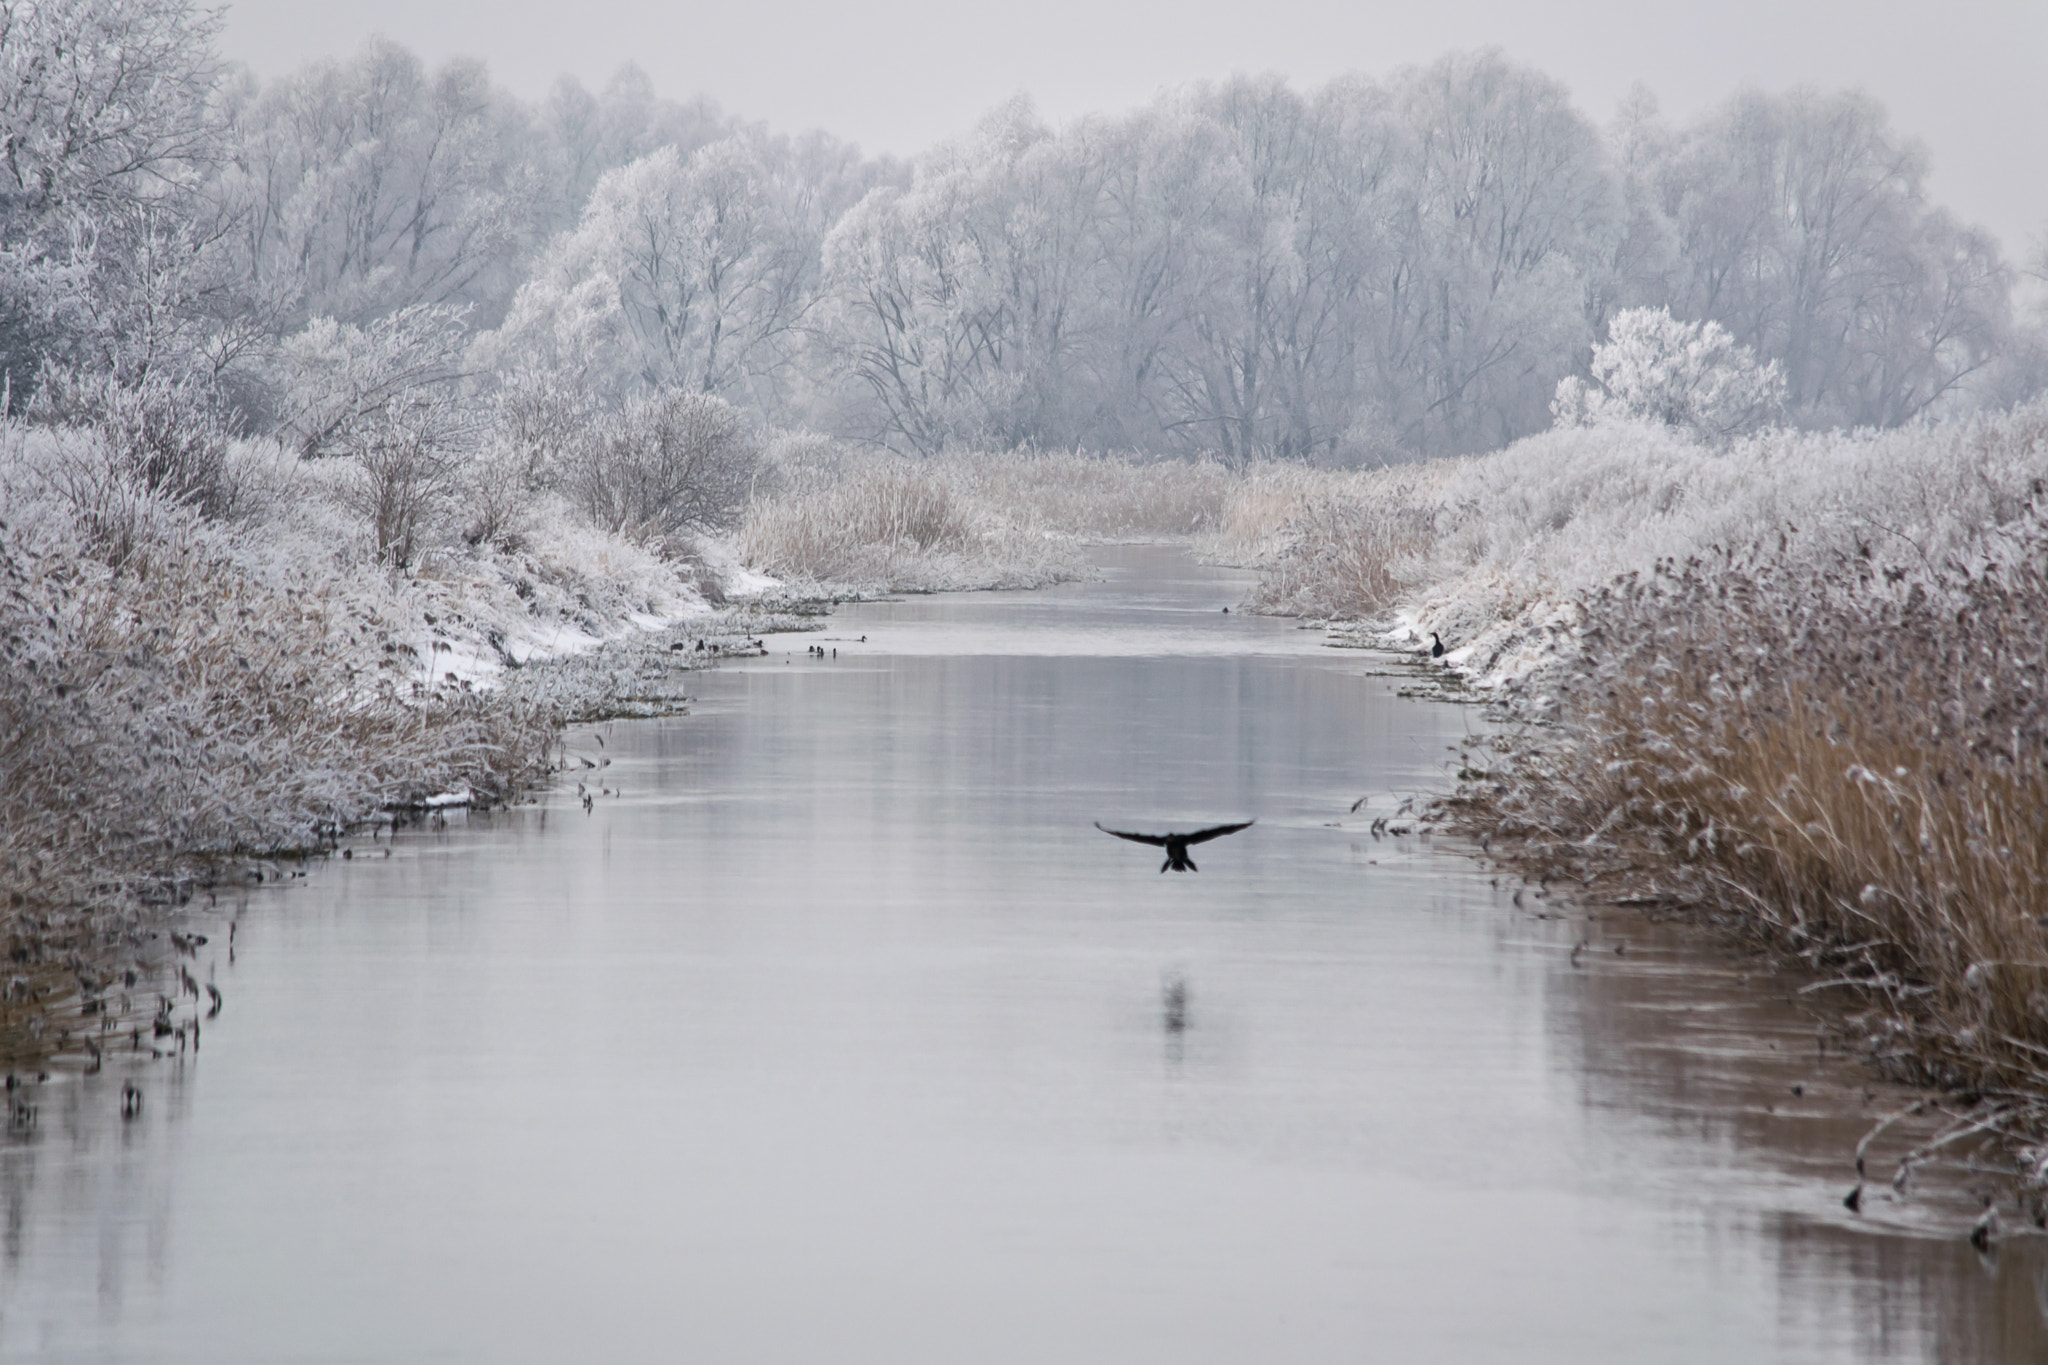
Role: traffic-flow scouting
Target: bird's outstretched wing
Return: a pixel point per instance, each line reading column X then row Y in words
column 1214, row 832
column 1156, row 840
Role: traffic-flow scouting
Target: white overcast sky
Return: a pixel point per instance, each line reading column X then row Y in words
column 1967, row 77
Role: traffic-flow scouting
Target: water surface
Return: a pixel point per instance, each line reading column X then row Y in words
column 836, row 1035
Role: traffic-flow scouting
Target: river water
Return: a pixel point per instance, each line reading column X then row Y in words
column 836, row 1034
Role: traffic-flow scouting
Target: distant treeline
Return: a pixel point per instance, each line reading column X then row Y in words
column 1372, row 270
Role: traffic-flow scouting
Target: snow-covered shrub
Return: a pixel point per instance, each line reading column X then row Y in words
column 1690, row 375
column 168, row 435
column 537, row 419
column 402, row 482
column 665, row 466
column 495, row 497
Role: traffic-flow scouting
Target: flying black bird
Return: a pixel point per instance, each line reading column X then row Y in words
column 1176, row 845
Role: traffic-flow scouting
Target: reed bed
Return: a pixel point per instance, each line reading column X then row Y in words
column 1103, row 497
column 841, row 521
column 1846, row 764
column 1798, row 687
column 1345, row 558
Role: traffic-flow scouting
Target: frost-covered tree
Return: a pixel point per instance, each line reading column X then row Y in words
column 1168, row 176
column 945, row 310
column 108, row 137
column 1517, row 201
column 1300, row 212
column 347, row 387
column 1691, row 375
column 587, row 135
column 1368, row 270
column 102, row 104
column 374, row 184
column 1803, row 227
column 687, row 273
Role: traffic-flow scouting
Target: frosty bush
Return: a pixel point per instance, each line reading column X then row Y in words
column 1690, row 375
column 404, row 479
column 169, row 435
column 537, row 419
column 495, row 493
column 667, row 465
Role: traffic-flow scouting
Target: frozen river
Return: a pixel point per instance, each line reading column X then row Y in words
column 837, row 1037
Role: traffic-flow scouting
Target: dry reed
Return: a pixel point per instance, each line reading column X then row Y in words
column 967, row 520
column 1846, row 762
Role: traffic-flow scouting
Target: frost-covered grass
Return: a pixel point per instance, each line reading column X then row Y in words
column 178, row 691
column 846, row 521
column 1328, row 544
column 1493, row 551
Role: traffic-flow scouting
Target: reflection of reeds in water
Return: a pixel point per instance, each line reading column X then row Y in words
column 1850, row 767
column 1718, row 1056
column 80, row 1007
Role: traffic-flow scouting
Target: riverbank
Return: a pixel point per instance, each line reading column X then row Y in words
column 202, row 672
column 1792, row 689
column 186, row 688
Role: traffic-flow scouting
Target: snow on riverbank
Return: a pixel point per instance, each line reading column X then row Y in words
column 1495, row 552
column 176, row 687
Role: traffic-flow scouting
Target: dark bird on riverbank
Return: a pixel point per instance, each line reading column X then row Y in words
column 1176, row 845
column 1436, row 648
column 1985, row 1230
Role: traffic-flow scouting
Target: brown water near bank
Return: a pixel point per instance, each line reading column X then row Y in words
column 838, row 1036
